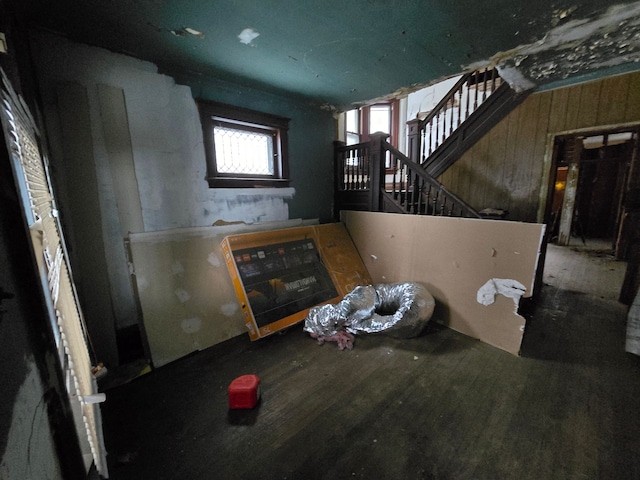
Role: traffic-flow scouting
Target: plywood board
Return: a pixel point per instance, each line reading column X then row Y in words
column 453, row 258
column 187, row 299
column 279, row 275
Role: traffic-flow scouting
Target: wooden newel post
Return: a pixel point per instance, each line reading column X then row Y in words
column 338, row 177
column 377, row 156
column 413, row 144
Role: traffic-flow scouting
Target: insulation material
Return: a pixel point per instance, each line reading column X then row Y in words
column 453, row 258
column 279, row 275
column 400, row 310
column 187, row 299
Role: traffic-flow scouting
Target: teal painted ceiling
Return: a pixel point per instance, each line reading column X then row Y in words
column 341, row 53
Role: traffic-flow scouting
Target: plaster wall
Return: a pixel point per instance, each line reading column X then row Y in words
column 166, row 139
column 168, row 160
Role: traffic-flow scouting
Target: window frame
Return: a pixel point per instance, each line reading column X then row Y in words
column 213, row 114
column 364, row 114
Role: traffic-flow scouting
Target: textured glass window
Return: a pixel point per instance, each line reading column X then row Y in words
column 243, row 152
column 244, row 148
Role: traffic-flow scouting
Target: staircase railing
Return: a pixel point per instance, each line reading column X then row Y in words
column 376, row 176
column 462, row 100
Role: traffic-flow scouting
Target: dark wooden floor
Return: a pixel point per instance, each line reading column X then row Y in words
column 441, row 406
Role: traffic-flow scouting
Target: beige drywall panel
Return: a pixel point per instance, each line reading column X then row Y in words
column 454, row 258
column 187, row 299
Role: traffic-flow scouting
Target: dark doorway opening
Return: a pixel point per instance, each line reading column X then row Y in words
column 590, row 183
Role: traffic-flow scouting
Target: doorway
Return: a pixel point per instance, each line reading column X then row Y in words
column 593, row 207
column 590, row 183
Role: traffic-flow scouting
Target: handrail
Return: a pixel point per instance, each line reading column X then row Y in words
column 462, row 100
column 387, row 179
column 445, row 100
column 419, row 193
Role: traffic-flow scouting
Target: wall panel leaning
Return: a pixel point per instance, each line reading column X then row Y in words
column 186, row 295
column 454, row 258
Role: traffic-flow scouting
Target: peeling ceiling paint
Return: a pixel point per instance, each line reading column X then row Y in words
column 339, row 54
column 578, row 46
column 248, row 35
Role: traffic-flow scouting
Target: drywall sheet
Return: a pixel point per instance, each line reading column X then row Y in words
column 187, row 299
column 279, row 275
column 455, row 258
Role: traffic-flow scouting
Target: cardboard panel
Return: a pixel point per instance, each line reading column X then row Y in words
column 454, row 258
column 279, row 275
column 187, row 299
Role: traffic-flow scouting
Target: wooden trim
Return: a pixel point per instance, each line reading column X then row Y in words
column 212, row 112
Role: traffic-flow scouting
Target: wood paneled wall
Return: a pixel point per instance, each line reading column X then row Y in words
column 508, row 167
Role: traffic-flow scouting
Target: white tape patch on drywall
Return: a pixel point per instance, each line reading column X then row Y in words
column 503, row 286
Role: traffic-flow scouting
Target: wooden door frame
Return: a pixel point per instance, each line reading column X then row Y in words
column 549, row 178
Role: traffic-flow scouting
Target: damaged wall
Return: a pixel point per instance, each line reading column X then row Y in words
column 509, row 167
column 85, row 90
column 576, row 48
column 475, row 269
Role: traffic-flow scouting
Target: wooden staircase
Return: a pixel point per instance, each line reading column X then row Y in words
column 476, row 103
column 375, row 176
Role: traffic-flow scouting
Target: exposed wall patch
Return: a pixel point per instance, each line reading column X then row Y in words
column 574, row 46
column 248, row 35
column 229, row 309
column 182, row 295
column 184, row 31
column 213, row 260
column 191, row 325
column 504, row 286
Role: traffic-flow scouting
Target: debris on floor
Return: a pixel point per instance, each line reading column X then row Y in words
column 244, row 392
column 401, row 310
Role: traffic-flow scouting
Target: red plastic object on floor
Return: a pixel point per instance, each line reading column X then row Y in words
column 244, row 392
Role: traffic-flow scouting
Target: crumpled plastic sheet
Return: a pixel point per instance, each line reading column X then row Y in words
column 401, row 310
